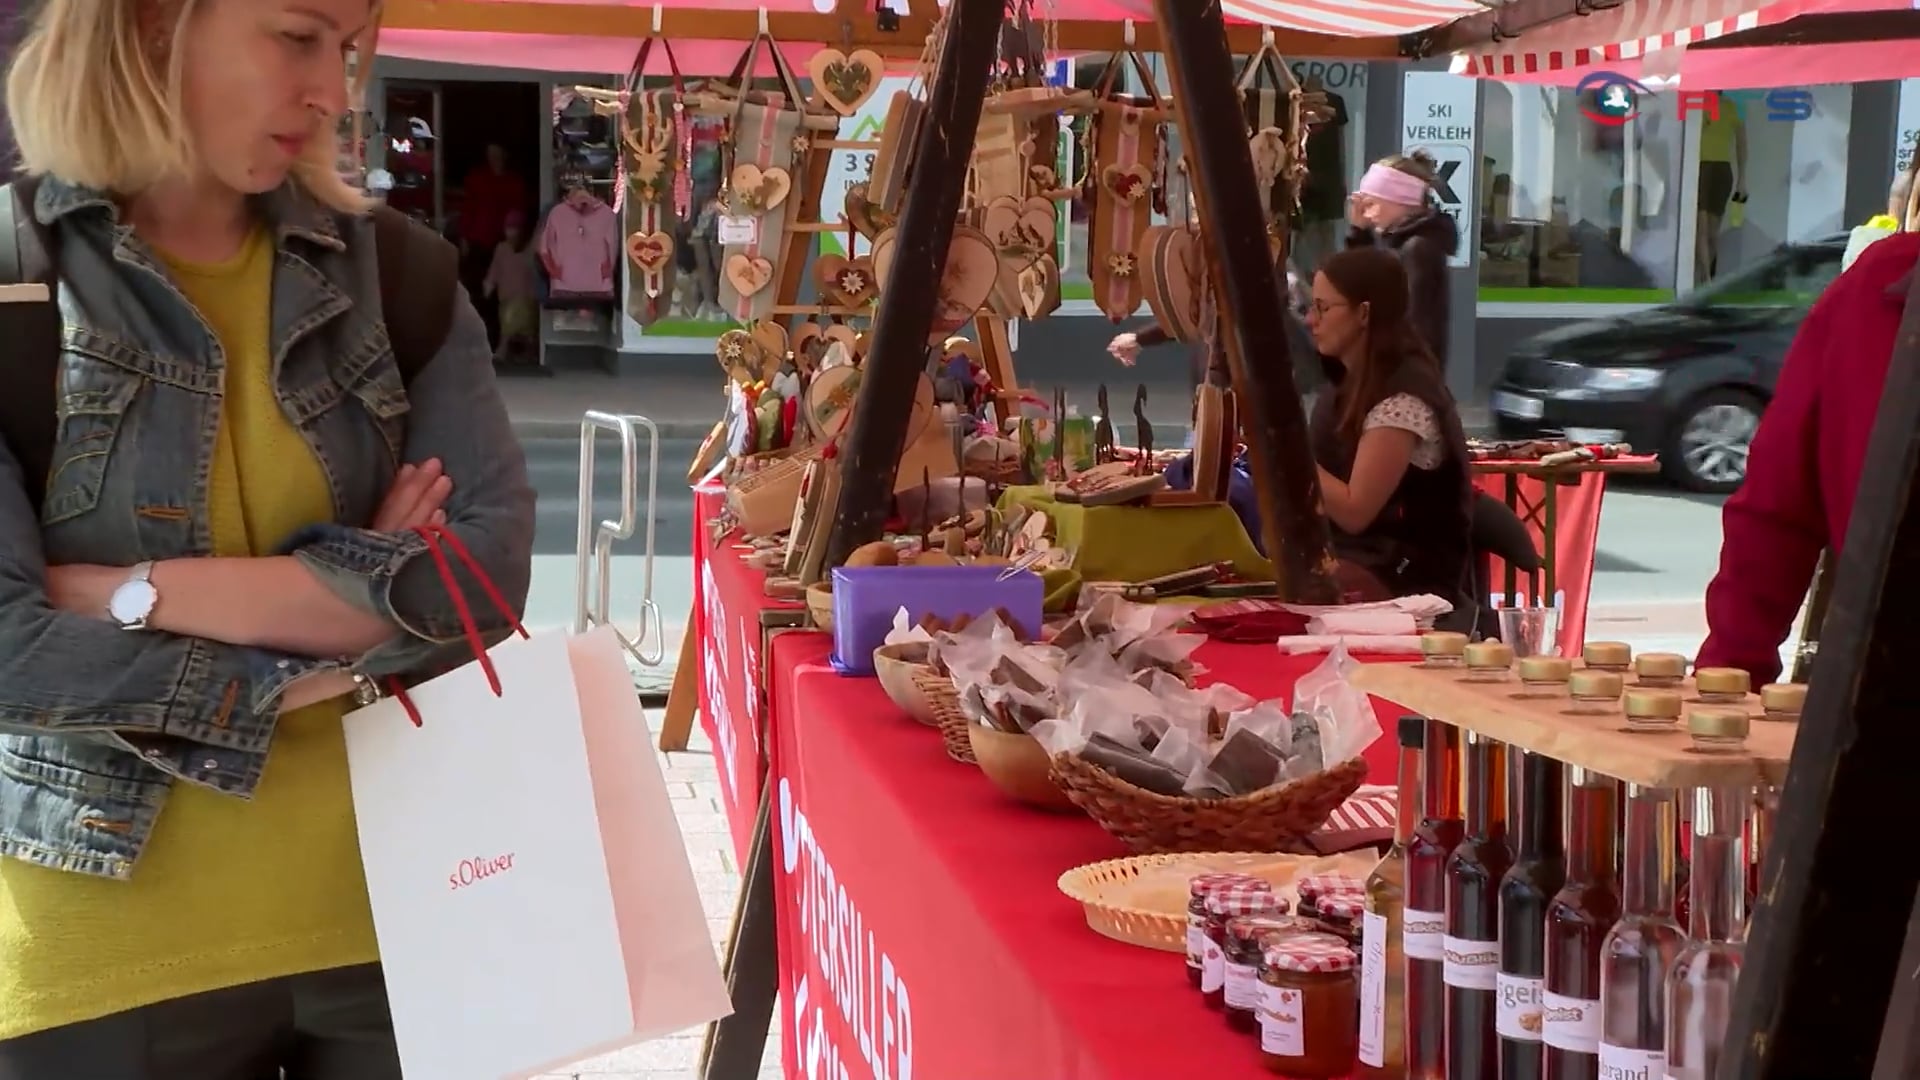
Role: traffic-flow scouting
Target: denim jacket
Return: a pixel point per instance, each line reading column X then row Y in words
column 98, row 723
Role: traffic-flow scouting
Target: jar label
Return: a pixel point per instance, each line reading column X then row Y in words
column 1518, row 1013
column 1282, row 1025
column 1424, row 934
column 1242, row 986
column 1213, row 967
column 1373, row 989
column 1196, row 941
column 1620, row 1063
column 1470, row 964
column 1569, row 1023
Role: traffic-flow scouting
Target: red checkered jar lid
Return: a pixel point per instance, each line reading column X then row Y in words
column 1310, row 954
column 1204, row 884
column 1316, row 885
column 1255, row 897
column 1343, row 905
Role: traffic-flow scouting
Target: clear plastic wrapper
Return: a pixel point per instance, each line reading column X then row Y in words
column 1341, row 712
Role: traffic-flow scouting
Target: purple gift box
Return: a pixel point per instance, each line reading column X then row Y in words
column 865, row 599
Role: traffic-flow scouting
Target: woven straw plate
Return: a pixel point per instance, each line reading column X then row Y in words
column 1111, row 894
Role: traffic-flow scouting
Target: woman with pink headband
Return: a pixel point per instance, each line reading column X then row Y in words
column 1394, row 208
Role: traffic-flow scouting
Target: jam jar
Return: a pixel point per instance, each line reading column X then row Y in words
column 1250, row 897
column 1340, row 914
column 1309, row 998
column 1314, row 886
column 1247, row 939
column 1197, row 891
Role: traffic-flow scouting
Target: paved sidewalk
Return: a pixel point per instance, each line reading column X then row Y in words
column 695, row 790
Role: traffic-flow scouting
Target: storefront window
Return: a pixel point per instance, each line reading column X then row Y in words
column 1774, row 181
column 1573, row 208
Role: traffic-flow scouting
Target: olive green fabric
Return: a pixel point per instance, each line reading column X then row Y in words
column 1135, row 543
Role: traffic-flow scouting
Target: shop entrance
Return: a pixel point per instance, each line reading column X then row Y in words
column 474, row 116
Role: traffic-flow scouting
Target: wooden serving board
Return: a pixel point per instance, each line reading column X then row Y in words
column 1601, row 743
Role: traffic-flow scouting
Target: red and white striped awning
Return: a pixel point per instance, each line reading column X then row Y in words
column 1346, row 18
column 1627, row 32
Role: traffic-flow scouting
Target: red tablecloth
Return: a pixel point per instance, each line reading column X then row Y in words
column 1576, row 536
column 921, row 930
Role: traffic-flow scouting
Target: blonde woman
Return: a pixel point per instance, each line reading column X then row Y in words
column 1395, row 208
column 221, row 552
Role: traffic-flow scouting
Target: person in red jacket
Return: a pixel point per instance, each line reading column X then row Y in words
column 1806, row 460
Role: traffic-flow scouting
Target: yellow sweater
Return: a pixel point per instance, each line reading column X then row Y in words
column 228, row 890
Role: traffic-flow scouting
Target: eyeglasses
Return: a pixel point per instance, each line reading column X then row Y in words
column 1321, row 307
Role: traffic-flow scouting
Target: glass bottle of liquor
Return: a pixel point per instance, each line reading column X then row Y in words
column 1641, row 947
column 1383, row 972
column 1425, row 918
column 1578, row 919
column 1471, row 968
column 1700, row 986
column 1539, row 870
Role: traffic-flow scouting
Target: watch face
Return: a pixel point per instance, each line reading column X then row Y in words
column 132, row 602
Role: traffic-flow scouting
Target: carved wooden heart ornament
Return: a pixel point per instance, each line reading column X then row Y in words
column 770, row 338
column 1040, row 287
column 1129, row 183
column 972, row 268
column 757, row 190
column 843, row 81
column 650, row 251
column 748, row 273
column 842, row 334
column 846, row 282
column 866, row 218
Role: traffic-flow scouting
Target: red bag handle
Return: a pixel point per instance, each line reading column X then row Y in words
column 435, row 536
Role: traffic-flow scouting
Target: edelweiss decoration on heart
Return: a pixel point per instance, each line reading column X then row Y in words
column 847, row 282
column 845, row 81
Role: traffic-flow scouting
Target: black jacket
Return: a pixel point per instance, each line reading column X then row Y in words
column 1423, row 243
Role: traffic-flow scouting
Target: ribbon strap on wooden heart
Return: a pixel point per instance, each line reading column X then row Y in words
column 1123, row 212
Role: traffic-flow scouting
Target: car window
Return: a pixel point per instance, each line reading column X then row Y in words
column 1790, row 277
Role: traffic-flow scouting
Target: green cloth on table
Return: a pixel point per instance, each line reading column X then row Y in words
column 1137, row 543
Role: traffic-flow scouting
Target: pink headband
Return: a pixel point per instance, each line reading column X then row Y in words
column 1388, row 184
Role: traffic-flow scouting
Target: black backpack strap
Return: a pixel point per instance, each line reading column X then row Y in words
column 419, row 275
column 29, row 415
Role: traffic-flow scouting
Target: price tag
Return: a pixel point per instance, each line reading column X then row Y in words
column 735, row 229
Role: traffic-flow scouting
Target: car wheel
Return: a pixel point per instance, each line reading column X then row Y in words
column 1707, row 450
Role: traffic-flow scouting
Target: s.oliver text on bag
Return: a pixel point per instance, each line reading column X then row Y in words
column 470, row 871
column 869, row 995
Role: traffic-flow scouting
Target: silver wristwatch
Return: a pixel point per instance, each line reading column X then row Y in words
column 132, row 604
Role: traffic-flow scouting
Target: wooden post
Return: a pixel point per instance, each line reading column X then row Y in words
column 1838, row 886
column 897, row 355
column 1251, row 303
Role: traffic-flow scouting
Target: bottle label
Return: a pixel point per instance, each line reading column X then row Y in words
column 1518, row 1015
column 1470, row 964
column 1373, row 989
column 1213, row 967
column 1620, row 1063
column 1569, row 1023
column 1242, row 987
column 1282, row 1027
column 1196, row 940
column 1424, row 934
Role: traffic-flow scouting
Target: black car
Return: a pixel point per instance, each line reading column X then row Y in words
column 1688, row 379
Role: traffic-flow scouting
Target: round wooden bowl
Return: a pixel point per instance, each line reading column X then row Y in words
column 1018, row 766
column 895, row 666
column 820, row 604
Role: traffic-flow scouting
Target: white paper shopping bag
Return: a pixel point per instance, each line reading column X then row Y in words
column 530, row 888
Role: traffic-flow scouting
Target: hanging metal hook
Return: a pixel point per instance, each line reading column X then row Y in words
column 593, row 556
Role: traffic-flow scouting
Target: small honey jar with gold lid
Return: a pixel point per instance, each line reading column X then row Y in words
column 1595, row 692
column 1660, row 671
column 1718, row 729
column 1722, row 685
column 1443, row 649
column 1544, row 676
column 1615, row 656
column 1489, row 661
column 1782, row 702
column 1652, row 710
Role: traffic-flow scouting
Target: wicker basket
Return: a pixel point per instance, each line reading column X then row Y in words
column 1102, row 889
column 944, row 702
column 1277, row 819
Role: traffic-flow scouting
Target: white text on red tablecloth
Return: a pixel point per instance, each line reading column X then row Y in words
column 714, row 673
column 868, row 995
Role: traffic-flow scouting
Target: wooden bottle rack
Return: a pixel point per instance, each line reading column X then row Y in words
column 1665, row 759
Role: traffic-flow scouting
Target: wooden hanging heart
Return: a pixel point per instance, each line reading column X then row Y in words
column 1129, row 183
column 650, row 251
column 866, row 217
column 770, row 338
column 847, row 282
column 757, row 190
column 972, row 268
column 843, row 81
column 748, row 273
column 805, row 343
column 842, row 334
column 1001, row 223
column 1040, row 287
column 826, row 270
column 737, row 355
